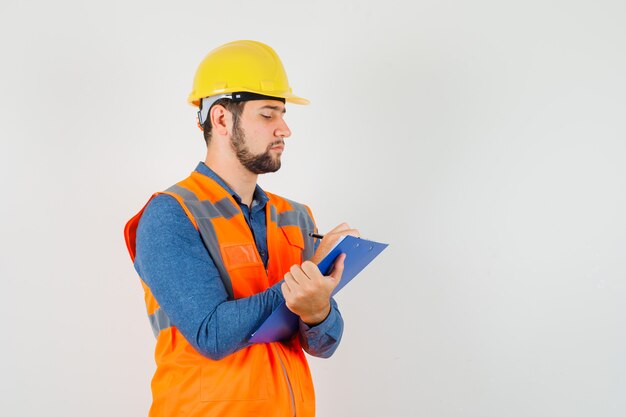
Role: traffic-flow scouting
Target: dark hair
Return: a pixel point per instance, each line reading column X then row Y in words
column 236, row 108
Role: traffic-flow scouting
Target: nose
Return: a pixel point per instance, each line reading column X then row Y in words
column 282, row 131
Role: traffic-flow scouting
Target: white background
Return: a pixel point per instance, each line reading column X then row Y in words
column 484, row 140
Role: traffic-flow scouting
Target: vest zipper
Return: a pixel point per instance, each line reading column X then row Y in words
column 293, row 400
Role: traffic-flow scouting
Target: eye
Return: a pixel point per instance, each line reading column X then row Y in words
column 265, row 116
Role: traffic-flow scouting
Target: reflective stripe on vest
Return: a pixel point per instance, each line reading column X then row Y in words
column 159, row 321
column 203, row 212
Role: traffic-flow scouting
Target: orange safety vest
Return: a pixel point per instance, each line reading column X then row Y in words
column 265, row 379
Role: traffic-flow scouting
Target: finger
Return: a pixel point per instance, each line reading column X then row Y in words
column 291, row 283
column 338, row 267
column 284, row 287
column 311, row 270
column 298, row 274
column 351, row 232
column 345, row 232
column 339, row 228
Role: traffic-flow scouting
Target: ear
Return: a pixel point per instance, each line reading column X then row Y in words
column 221, row 120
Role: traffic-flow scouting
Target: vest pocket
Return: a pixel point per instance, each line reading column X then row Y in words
column 238, row 255
column 245, row 269
column 294, row 236
column 242, row 376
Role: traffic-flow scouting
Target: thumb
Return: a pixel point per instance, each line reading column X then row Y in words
column 338, row 268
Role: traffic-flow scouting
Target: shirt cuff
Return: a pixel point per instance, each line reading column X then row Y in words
column 320, row 328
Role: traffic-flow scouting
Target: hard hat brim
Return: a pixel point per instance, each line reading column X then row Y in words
column 296, row 99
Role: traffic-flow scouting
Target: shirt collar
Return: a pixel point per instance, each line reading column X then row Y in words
column 259, row 197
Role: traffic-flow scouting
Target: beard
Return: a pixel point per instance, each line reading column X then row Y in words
column 257, row 164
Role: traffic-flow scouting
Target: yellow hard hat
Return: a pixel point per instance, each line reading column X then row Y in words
column 242, row 66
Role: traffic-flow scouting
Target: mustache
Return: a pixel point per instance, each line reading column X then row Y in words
column 278, row 142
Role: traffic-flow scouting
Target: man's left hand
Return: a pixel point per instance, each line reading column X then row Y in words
column 307, row 292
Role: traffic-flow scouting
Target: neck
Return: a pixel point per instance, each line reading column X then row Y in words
column 242, row 181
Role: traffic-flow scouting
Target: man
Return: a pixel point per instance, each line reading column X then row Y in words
column 216, row 255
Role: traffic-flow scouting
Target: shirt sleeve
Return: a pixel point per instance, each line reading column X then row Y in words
column 173, row 262
column 323, row 339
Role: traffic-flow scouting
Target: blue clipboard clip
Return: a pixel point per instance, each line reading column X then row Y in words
column 282, row 323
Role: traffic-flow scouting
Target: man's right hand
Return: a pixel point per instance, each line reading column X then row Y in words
column 330, row 239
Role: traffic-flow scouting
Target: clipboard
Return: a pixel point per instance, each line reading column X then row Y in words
column 282, row 323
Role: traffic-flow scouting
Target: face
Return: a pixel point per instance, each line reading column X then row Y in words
column 258, row 135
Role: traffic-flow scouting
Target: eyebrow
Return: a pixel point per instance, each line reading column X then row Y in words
column 277, row 108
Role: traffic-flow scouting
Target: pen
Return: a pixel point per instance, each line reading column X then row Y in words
column 316, row 235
